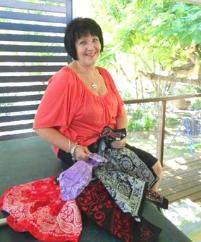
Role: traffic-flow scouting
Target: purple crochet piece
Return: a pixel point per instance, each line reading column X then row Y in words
column 73, row 180
column 96, row 160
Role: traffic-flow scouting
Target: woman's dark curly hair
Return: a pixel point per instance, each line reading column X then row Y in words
column 78, row 28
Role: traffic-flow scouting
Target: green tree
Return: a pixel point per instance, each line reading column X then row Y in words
column 161, row 40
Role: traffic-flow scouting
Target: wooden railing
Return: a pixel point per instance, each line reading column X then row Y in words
column 163, row 101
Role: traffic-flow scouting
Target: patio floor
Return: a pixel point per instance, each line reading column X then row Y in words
column 182, row 179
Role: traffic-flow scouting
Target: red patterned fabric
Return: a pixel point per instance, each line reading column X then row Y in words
column 36, row 207
column 97, row 204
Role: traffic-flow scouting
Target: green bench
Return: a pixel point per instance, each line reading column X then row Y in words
column 24, row 160
column 27, row 159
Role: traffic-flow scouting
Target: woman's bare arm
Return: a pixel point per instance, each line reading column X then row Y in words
column 122, row 121
column 54, row 137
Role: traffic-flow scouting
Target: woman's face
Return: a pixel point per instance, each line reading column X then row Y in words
column 88, row 49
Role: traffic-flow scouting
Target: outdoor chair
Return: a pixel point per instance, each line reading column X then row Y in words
column 190, row 129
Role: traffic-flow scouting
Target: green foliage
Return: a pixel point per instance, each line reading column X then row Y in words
column 181, row 23
column 107, row 56
column 184, row 88
column 196, row 146
column 172, row 122
column 157, row 35
column 136, row 114
column 161, row 28
column 149, row 122
column 140, row 122
column 135, row 126
column 196, row 105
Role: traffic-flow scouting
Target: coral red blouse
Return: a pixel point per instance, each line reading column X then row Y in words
column 69, row 106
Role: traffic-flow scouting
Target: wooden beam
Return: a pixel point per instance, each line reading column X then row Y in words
column 159, row 99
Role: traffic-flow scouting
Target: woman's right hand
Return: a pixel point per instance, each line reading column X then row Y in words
column 119, row 144
column 81, row 153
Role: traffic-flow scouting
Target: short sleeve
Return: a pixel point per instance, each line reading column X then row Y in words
column 58, row 104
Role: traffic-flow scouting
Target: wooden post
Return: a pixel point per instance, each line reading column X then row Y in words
column 161, row 132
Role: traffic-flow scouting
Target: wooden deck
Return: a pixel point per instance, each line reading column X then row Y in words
column 182, row 179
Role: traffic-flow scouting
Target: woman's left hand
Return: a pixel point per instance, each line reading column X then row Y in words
column 81, row 153
column 119, row 144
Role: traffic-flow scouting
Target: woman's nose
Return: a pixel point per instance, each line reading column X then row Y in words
column 90, row 45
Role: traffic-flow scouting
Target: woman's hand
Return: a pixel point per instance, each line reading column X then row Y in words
column 81, row 153
column 119, row 144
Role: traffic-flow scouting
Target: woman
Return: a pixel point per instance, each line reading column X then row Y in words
column 80, row 104
column 81, row 99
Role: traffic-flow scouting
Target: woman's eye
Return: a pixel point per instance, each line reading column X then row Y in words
column 96, row 40
column 82, row 42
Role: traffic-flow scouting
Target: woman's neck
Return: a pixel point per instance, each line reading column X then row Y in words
column 83, row 69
